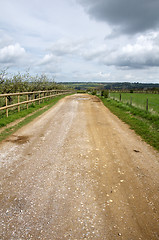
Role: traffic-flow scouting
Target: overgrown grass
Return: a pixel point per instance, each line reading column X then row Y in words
column 143, row 123
column 36, row 111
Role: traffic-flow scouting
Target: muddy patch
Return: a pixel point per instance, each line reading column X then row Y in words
column 18, row 139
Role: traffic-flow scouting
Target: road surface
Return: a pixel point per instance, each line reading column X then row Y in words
column 78, row 172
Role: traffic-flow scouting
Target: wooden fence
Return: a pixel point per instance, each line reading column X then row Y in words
column 31, row 97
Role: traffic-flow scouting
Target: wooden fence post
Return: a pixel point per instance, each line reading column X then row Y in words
column 7, row 108
column 33, row 98
column 27, row 100
column 18, row 106
column 147, row 105
column 131, row 101
column 43, row 96
column 120, row 97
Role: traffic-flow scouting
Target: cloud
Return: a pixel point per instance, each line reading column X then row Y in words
column 66, row 47
column 49, row 63
column 5, row 39
column 143, row 53
column 92, row 76
column 12, row 53
column 129, row 17
column 95, row 53
column 47, row 59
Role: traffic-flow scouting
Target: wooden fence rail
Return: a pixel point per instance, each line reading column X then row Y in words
column 50, row 94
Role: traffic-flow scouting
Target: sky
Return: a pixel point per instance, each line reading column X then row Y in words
column 81, row 40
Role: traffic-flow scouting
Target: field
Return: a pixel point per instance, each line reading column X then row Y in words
column 139, row 100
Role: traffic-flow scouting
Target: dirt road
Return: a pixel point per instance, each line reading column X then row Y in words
column 78, row 172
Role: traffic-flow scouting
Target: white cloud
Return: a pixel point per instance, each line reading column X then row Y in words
column 48, row 64
column 12, row 53
column 48, row 59
column 103, row 76
column 143, row 53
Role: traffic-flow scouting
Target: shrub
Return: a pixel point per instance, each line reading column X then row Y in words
column 105, row 93
column 94, row 92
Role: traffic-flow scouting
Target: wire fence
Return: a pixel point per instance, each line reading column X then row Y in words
column 148, row 102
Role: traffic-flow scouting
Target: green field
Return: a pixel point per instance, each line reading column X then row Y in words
column 139, row 100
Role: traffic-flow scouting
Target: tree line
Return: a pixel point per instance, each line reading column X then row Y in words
column 26, row 82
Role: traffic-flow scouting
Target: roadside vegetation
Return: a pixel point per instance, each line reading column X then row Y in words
column 143, row 122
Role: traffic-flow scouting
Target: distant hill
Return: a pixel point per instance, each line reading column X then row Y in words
column 113, row 86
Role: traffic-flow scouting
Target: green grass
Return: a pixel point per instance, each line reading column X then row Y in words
column 34, row 110
column 139, row 100
column 143, row 123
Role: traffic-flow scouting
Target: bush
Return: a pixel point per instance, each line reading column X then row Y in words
column 102, row 93
column 94, row 92
column 105, row 93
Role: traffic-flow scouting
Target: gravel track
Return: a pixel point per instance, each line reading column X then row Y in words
column 78, row 172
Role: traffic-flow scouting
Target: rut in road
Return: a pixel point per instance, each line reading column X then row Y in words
column 78, row 172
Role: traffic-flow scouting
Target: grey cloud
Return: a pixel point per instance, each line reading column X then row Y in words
column 127, row 16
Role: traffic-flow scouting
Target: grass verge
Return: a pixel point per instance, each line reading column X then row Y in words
column 143, row 123
column 33, row 111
